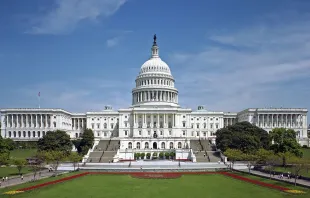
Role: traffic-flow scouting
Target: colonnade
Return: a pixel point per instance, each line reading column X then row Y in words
column 161, row 96
column 162, row 120
column 78, row 123
column 155, row 81
column 28, row 120
column 280, row 120
column 229, row 121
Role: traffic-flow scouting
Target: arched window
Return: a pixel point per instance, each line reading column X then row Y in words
column 24, row 133
column 29, row 134
column 10, row 134
column 138, row 145
column 163, row 145
column 19, row 134
column 179, row 145
column 39, row 134
column 171, row 145
column 43, row 133
column 76, row 135
column 130, row 145
column 105, row 125
column 14, row 133
column 33, row 133
column 146, row 145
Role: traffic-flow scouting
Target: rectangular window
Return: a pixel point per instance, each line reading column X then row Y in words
column 148, row 124
column 154, row 125
column 183, row 133
column 197, row 126
column 169, row 132
column 183, row 124
column 139, row 132
column 161, row 125
column 211, row 126
column 126, row 133
column 112, row 126
column 217, row 126
column 92, row 126
column 161, row 132
column 169, row 125
column 98, row 126
column 125, row 124
column 149, row 132
column 192, row 126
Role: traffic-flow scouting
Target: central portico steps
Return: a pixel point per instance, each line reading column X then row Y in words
column 104, row 151
column 203, row 151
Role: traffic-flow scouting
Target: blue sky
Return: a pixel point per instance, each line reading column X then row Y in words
column 225, row 54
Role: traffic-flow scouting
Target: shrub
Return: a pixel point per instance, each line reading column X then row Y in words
column 304, row 146
column 142, row 155
column 161, row 155
column 167, row 155
column 172, row 155
column 154, row 155
column 148, row 155
column 137, row 155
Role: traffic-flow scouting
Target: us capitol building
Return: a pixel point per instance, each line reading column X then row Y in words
column 154, row 121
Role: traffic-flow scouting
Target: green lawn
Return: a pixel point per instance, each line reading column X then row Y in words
column 306, row 153
column 11, row 171
column 188, row 186
column 22, row 153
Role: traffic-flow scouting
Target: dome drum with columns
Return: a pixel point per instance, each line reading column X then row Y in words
column 155, row 84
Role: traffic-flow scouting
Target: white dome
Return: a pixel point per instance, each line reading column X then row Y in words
column 154, row 65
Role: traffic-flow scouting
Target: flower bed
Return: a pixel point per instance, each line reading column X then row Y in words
column 255, row 181
column 295, row 191
column 156, row 175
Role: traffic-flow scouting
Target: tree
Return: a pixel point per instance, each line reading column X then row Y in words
column 242, row 136
column 4, row 158
column 55, row 141
column 271, row 161
column 86, row 142
column 54, row 158
column 38, row 164
column 263, row 155
column 142, row 155
column 284, row 141
column 252, row 160
column 20, row 164
column 74, row 157
column 234, row 155
column 298, row 164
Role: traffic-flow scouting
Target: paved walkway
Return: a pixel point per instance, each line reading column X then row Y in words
column 27, row 177
column 276, row 177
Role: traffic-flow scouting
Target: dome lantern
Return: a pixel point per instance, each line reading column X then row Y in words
column 155, row 50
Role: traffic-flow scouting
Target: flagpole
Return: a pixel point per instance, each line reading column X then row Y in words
column 39, row 94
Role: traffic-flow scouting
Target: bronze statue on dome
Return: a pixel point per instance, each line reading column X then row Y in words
column 154, row 38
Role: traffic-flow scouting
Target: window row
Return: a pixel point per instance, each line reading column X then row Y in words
column 155, row 82
column 105, row 126
column 204, row 125
column 24, row 134
column 147, row 146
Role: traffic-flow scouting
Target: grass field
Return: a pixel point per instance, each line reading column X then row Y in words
column 306, row 153
column 11, row 171
column 191, row 186
column 22, row 153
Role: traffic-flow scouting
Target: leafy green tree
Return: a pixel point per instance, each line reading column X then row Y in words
column 284, row 141
column 54, row 158
column 55, row 141
column 242, row 136
column 4, row 158
column 262, row 155
column 148, row 155
column 167, row 155
column 142, row 155
column 20, row 164
column 75, row 158
column 298, row 164
column 86, row 143
column 161, row 155
column 137, row 155
column 233, row 156
column 271, row 161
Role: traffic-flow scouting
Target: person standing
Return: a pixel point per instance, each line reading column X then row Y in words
column 22, row 178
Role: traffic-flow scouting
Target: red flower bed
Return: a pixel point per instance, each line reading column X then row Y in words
column 156, row 175
column 53, row 182
column 254, row 181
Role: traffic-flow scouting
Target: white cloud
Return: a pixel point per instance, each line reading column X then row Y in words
column 258, row 66
column 78, row 96
column 69, row 13
column 112, row 42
